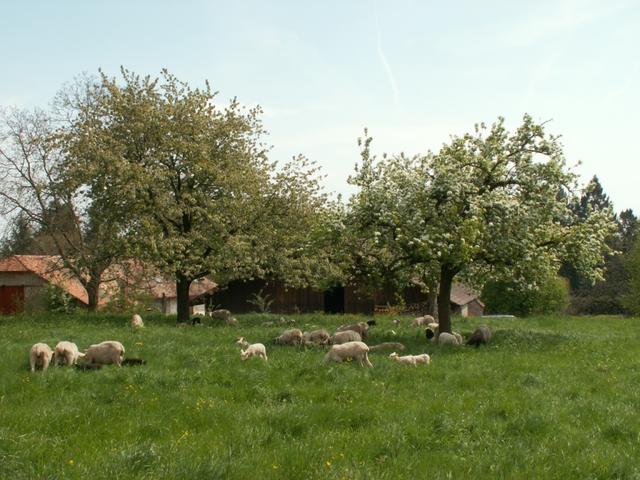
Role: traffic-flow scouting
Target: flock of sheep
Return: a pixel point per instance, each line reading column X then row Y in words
column 346, row 343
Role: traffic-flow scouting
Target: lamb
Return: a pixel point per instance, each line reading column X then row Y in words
column 387, row 345
column 361, row 328
column 253, row 350
column 66, row 353
column 347, row 336
column 458, row 337
column 105, row 353
column 136, row 321
column 424, row 320
column 40, row 356
column 355, row 350
column 481, row 335
column 320, row 337
column 411, row 359
column 289, row 337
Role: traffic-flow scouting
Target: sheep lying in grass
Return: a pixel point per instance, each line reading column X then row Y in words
column 411, row 359
column 421, row 321
column 446, row 338
column 347, row 336
column 480, row 336
column 136, row 321
column 356, row 350
column 105, row 353
column 289, row 337
column 40, row 356
column 66, row 353
column 387, row 346
column 316, row 337
column 361, row 328
column 252, row 350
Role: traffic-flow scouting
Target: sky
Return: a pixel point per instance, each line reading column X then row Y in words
column 412, row 72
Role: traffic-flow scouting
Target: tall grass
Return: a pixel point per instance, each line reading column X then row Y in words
column 551, row 397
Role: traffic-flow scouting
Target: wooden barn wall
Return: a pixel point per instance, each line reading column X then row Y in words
column 475, row 309
column 355, row 302
column 236, row 296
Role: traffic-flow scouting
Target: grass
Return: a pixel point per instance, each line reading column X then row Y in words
column 553, row 397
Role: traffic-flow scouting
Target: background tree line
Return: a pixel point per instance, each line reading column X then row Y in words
column 153, row 169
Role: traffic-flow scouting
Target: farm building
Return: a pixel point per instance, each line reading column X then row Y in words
column 246, row 296
column 25, row 279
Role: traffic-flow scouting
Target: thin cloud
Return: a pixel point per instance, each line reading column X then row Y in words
column 385, row 63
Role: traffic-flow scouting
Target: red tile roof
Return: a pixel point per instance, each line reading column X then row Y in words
column 134, row 274
column 50, row 269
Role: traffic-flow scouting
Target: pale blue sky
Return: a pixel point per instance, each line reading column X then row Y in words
column 413, row 72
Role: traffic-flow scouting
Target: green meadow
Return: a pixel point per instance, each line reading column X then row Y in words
column 550, row 397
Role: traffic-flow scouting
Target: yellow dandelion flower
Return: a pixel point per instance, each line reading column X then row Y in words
column 274, row 466
column 328, row 463
column 71, row 462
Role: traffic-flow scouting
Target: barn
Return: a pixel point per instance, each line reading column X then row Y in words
column 245, row 296
column 24, row 280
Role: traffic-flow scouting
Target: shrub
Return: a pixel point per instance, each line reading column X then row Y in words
column 552, row 296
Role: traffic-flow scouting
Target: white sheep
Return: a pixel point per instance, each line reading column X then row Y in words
column 446, row 339
column 105, row 353
column 411, row 359
column 320, row 337
column 40, row 356
column 344, row 337
column 421, row 321
column 361, row 328
column 290, row 337
column 66, row 353
column 136, row 321
column 356, row 350
column 220, row 314
column 252, row 350
column 387, row 345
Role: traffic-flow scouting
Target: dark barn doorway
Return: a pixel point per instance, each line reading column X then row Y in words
column 11, row 300
column 334, row 300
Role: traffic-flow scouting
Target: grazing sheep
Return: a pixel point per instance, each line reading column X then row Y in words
column 284, row 321
column 254, row 350
column 195, row 320
column 289, row 337
column 481, row 335
column 40, row 356
column 396, row 322
column 421, row 321
column 105, row 353
column 361, row 328
column 220, row 314
column 66, row 353
column 319, row 337
column 136, row 321
column 446, row 339
column 411, row 359
column 387, row 346
column 347, row 336
column 355, row 350
column 458, row 337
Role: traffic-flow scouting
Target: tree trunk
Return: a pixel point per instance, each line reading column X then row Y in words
column 432, row 301
column 182, row 292
column 93, row 294
column 444, row 298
